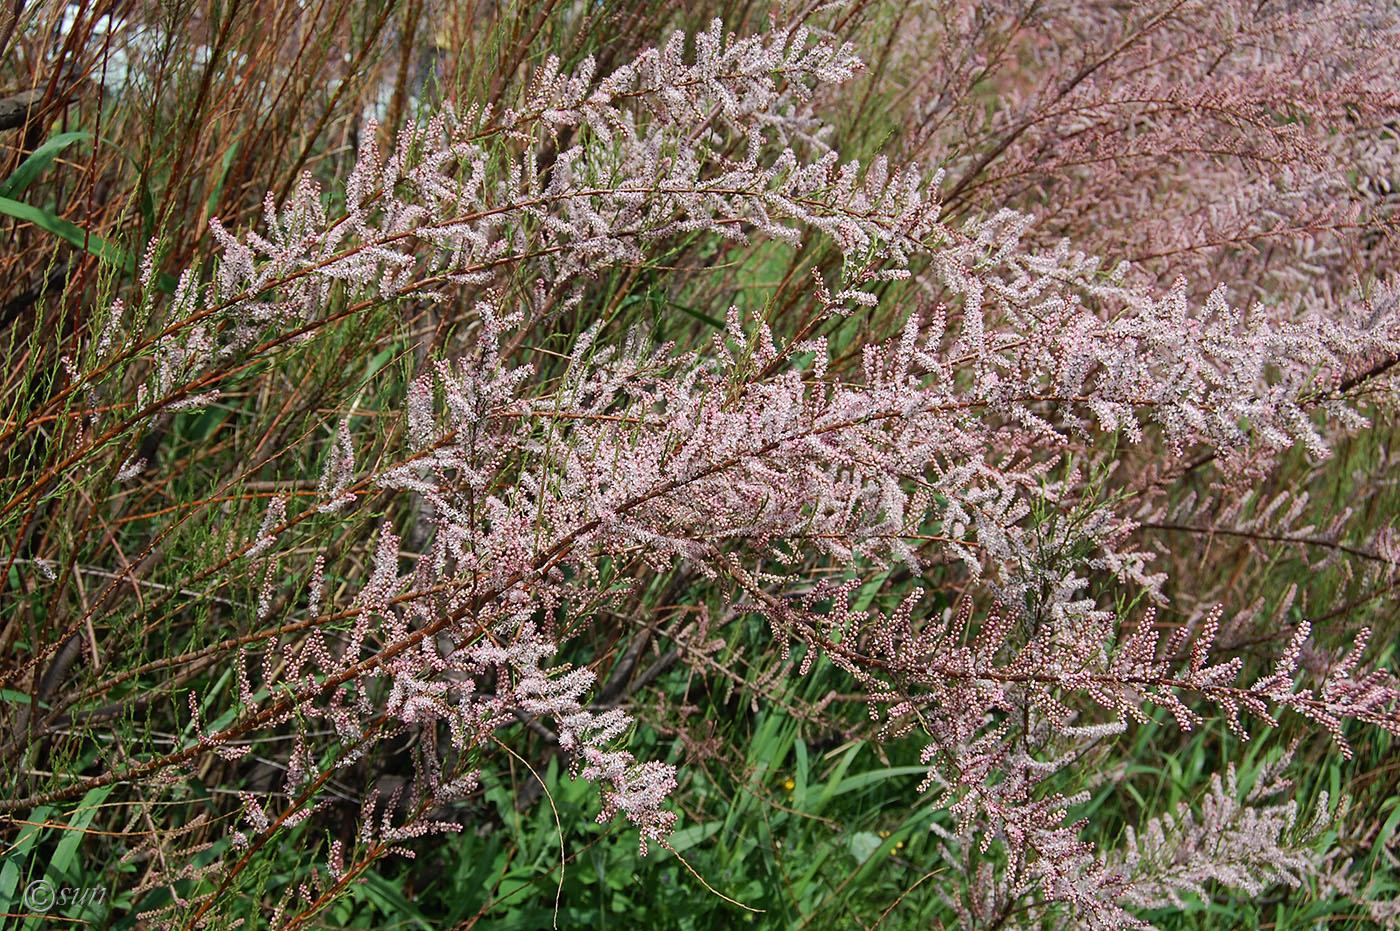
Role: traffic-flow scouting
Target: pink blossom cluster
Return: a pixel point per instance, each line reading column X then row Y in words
column 981, row 435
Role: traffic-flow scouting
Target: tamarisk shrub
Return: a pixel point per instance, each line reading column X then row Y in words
column 1247, row 143
column 983, row 438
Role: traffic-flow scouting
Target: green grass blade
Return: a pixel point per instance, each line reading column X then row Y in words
column 102, row 249
column 39, row 160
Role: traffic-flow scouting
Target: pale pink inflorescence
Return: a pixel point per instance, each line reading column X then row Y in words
column 747, row 459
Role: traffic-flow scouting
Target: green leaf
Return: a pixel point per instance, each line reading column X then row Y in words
column 837, row 776
column 698, row 315
column 76, row 236
column 71, row 233
column 864, row 844
column 1388, row 829
column 17, row 854
column 861, row 780
column 77, row 824
column 9, row 880
column 58, row 868
column 686, row 838
column 799, row 789
column 38, row 160
column 390, row 901
column 867, row 592
column 218, row 189
column 380, row 360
